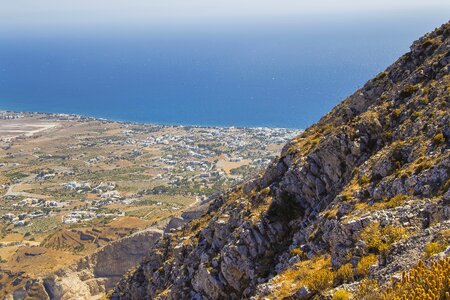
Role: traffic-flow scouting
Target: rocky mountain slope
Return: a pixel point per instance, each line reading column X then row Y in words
column 352, row 202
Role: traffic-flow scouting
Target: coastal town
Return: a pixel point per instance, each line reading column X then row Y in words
column 66, row 175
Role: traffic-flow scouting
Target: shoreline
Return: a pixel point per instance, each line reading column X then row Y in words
column 108, row 120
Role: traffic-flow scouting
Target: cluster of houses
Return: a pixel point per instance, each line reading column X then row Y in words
column 190, row 156
column 190, row 153
column 86, row 215
column 107, row 195
column 196, row 151
column 42, row 209
column 7, row 115
column 105, row 190
column 34, row 202
column 23, row 219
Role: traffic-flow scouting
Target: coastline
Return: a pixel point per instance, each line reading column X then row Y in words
column 83, row 117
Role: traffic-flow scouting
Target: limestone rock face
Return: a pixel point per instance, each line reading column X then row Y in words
column 93, row 275
column 377, row 164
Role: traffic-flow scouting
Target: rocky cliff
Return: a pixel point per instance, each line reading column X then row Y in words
column 353, row 201
column 91, row 276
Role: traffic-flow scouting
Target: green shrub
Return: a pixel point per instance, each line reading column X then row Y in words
column 364, row 179
column 438, row 138
column 415, row 115
column 16, row 175
column 446, row 186
column 392, row 234
column 429, row 42
column 425, row 90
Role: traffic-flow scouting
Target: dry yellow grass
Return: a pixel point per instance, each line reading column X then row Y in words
column 129, row 222
column 344, row 274
column 315, row 273
column 379, row 239
column 227, row 166
column 362, row 269
column 12, row 237
column 422, row 282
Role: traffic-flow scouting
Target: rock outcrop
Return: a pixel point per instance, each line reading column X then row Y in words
column 364, row 190
column 93, row 275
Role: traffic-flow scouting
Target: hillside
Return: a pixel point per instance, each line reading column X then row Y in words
column 71, row 184
column 86, row 278
column 350, row 203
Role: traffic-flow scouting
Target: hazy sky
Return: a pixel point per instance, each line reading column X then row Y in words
column 36, row 14
column 195, row 61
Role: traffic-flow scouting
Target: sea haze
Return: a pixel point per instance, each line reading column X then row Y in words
column 285, row 74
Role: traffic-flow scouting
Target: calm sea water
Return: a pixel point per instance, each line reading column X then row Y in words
column 286, row 75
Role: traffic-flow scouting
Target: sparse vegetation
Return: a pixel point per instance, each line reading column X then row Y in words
column 99, row 181
column 341, row 295
column 352, row 202
column 320, row 280
column 422, row 282
column 298, row 252
column 382, row 75
column 415, row 115
column 388, row 135
column 380, row 239
column 362, row 269
column 396, row 113
column 16, row 175
column 364, row 179
column 395, row 201
column 331, row 213
column 408, row 90
column 429, row 42
column 314, row 273
column 344, row 274
column 421, row 165
column 367, row 290
column 438, row 138
column 434, row 248
column 424, row 101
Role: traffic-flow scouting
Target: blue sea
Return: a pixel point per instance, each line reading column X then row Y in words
column 285, row 74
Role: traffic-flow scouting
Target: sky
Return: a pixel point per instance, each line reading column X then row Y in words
column 283, row 63
column 55, row 15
